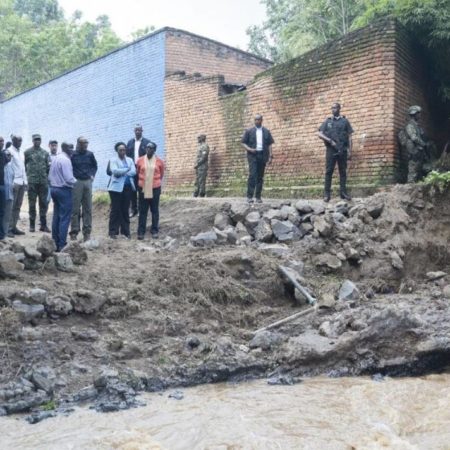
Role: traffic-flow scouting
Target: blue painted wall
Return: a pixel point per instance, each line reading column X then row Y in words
column 102, row 101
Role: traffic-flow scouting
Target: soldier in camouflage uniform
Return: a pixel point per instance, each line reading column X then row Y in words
column 415, row 146
column 201, row 166
column 37, row 165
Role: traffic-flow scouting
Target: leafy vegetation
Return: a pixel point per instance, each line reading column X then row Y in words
column 296, row 26
column 438, row 179
column 37, row 42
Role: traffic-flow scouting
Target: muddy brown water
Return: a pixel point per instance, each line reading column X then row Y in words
column 320, row 413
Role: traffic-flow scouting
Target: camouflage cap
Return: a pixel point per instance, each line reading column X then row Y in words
column 414, row 110
column 36, row 136
column 201, row 136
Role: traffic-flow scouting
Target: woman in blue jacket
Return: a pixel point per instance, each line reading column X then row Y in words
column 120, row 187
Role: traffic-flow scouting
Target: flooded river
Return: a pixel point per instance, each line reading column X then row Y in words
column 319, row 413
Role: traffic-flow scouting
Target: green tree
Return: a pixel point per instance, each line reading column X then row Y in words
column 39, row 11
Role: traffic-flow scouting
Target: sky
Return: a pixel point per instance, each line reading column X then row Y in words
column 224, row 21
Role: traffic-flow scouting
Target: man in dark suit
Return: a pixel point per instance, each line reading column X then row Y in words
column 257, row 141
column 136, row 149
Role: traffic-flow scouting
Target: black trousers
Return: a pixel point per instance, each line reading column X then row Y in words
column 341, row 159
column 144, row 205
column 119, row 219
column 256, row 168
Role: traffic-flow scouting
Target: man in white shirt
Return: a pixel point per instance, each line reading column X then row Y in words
column 20, row 183
column 257, row 141
column 136, row 149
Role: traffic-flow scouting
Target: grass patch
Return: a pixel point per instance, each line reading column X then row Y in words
column 101, row 198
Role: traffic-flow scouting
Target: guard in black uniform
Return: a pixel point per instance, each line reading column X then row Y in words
column 336, row 132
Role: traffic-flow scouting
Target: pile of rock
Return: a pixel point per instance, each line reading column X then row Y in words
column 34, row 304
column 242, row 224
column 15, row 257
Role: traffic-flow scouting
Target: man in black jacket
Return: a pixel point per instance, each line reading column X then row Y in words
column 84, row 169
column 257, row 141
column 136, row 149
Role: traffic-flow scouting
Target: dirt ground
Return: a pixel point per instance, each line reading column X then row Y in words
column 180, row 315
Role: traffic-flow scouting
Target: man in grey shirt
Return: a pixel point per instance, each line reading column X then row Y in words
column 61, row 184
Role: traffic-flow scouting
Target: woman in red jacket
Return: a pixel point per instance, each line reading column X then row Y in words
column 150, row 172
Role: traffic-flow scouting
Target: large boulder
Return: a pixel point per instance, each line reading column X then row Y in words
column 303, row 207
column 323, row 226
column 32, row 253
column 46, row 246
column 263, row 231
column 328, row 261
column 283, row 230
column 77, row 253
column 222, row 221
column 252, row 219
column 59, row 305
column 87, row 302
column 64, row 262
column 239, row 211
column 375, row 206
column 206, row 239
column 9, row 266
column 28, row 312
column 273, row 214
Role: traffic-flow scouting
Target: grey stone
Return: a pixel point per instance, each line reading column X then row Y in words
column 328, row 261
column 341, row 208
column 283, row 230
column 446, row 291
column 91, row 244
column 338, row 217
column 239, row 211
column 59, row 305
column 192, row 342
column 44, row 378
column 252, row 219
column 222, row 236
column 297, row 266
column 435, row 275
column 273, row 214
column 266, row 340
column 232, row 236
column 374, row 207
column 32, row 264
column 349, row 291
column 50, row 264
column 305, row 228
column 31, row 334
column 64, row 262
column 263, row 231
column 46, row 246
column 32, row 253
column 323, row 226
column 77, row 253
column 9, row 266
column 275, row 249
column 222, row 221
column 318, row 209
column 288, row 212
column 20, row 257
column 396, row 261
column 303, row 207
column 241, row 231
column 87, row 302
column 325, row 329
column 85, row 394
column 326, row 300
column 28, row 312
column 206, row 239
column 176, row 395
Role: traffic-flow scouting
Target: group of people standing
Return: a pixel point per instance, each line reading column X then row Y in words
column 66, row 178
column 136, row 175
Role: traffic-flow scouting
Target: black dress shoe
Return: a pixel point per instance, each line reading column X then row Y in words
column 326, row 198
column 140, row 237
column 18, row 232
column 346, row 197
column 44, row 229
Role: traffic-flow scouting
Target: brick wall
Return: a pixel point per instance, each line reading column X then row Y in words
column 294, row 98
column 102, row 101
column 191, row 53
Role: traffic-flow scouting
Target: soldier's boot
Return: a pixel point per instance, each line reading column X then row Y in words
column 32, row 226
column 86, row 237
column 44, row 228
